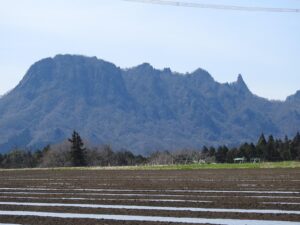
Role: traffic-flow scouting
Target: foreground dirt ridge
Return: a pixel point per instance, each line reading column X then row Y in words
column 231, row 196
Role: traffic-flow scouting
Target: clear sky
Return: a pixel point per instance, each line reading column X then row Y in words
column 263, row 47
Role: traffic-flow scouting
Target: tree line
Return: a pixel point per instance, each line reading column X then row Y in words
column 266, row 149
column 74, row 153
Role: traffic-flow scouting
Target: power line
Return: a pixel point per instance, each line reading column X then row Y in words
column 217, row 6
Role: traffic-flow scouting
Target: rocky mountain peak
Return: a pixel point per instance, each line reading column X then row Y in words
column 241, row 85
column 202, row 75
column 294, row 97
column 140, row 108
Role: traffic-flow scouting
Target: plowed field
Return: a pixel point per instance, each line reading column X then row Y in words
column 237, row 196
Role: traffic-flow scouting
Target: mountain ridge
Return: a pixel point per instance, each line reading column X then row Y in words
column 139, row 108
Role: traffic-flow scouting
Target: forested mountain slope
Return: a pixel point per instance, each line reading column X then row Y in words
column 142, row 109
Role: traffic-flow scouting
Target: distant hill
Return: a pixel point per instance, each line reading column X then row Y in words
column 142, row 109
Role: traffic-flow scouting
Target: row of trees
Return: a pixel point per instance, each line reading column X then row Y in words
column 73, row 153
column 266, row 149
column 70, row 153
column 269, row 149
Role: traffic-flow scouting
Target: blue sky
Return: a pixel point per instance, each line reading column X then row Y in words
column 263, row 47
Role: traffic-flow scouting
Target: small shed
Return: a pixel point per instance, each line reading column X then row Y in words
column 239, row 160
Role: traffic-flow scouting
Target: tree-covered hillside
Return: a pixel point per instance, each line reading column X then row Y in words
column 140, row 108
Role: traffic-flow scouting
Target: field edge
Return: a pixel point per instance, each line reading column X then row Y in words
column 195, row 166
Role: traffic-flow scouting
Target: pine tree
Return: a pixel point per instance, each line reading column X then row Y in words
column 295, row 147
column 261, row 146
column 221, row 154
column 262, row 140
column 230, row 155
column 253, row 152
column 245, row 151
column 272, row 149
column 212, row 151
column 78, row 152
column 205, row 152
column 285, row 150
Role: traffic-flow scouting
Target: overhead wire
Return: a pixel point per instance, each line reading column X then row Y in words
column 218, row 6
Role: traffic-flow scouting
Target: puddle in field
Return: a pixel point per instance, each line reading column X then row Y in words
column 148, row 195
column 94, row 194
column 231, row 191
column 9, row 224
column 243, row 196
column 39, row 179
column 281, row 203
column 132, row 195
column 147, row 218
column 110, row 199
column 260, row 196
column 136, row 207
column 132, row 190
column 33, row 193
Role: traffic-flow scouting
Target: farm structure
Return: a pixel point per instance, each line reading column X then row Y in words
column 239, row 160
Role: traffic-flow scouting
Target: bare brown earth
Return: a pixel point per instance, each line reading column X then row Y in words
column 146, row 188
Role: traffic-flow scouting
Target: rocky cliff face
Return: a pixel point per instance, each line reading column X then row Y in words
column 142, row 108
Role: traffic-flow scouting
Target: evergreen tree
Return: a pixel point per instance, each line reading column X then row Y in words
column 205, row 152
column 285, row 149
column 295, row 147
column 231, row 154
column 262, row 140
column 261, row 147
column 78, row 152
column 270, row 153
column 212, row 151
column 246, row 151
column 253, row 151
column 221, row 154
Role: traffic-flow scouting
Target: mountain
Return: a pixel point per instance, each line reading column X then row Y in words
column 141, row 108
column 294, row 98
